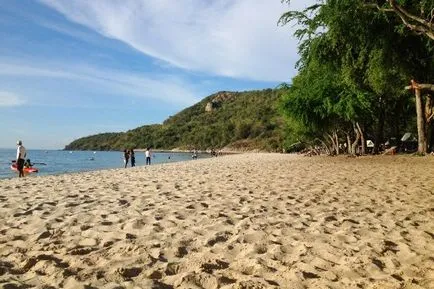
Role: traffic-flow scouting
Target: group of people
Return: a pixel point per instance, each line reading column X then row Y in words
column 129, row 155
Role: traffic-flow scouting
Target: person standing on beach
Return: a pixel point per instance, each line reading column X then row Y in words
column 21, row 155
column 148, row 156
column 126, row 157
column 133, row 158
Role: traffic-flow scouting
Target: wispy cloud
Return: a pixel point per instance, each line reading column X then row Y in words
column 167, row 88
column 238, row 39
column 8, row 99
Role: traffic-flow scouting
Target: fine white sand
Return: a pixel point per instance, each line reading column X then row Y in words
column 240, row 221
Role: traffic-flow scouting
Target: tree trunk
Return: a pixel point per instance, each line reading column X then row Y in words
column 428, row 120
column 431, row 138
column 379, row 134
column 421, row 131
column 349, row 144
column 356, row 141
column 325, row 144
column 332, row 148
column 362, row 139
column 336, row 141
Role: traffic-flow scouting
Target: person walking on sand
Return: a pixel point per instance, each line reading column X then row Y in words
column 133, row 158
column 148, row 156
column 126, row 157
column 21, row 156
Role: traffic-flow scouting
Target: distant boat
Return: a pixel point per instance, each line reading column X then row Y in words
column 94, row 152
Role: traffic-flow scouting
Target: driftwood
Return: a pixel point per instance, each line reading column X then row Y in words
column 390, row 151
column 310, row 152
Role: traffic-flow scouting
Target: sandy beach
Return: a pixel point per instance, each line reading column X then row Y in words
column 239, row 221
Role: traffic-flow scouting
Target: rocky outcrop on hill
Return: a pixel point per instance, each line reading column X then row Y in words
column 218, row 99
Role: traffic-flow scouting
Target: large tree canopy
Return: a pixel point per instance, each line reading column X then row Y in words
column 354, row 63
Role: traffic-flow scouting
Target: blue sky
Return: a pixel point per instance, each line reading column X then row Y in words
column 71, row 68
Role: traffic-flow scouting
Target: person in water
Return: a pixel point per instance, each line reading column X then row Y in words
column 194, row 155
column 21, row 155
column 148, row 156
column 126, row 157
column 133, row 158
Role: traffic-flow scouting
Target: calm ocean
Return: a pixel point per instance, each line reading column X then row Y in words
column 59, row 162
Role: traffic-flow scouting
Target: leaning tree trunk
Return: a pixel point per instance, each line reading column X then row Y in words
column 362, row 139
column 356, row 141
column 334, row 139
column 328, row 149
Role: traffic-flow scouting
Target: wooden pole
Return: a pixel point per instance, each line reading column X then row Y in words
column 421, row 131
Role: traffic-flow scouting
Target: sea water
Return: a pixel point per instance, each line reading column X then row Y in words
column 59, row 162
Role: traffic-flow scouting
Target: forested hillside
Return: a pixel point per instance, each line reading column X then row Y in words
column 235, row 120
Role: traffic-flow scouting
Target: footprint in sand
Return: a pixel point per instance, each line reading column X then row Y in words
column 129, row 273
column 217, row 265
column 82, row 250
column 181, row 252
column 123, row 202
column 197, row 280
column 219, row 238
column 172, row 268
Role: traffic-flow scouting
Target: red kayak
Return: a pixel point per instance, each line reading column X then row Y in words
column 26, row 170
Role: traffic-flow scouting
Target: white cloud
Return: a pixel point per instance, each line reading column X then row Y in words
column 238, row 39
column 166, row 88
column 8, row 99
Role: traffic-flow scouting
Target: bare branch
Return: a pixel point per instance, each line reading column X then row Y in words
column 414, row 23
column 372, row 5
column 421, row 86
column 405, row 13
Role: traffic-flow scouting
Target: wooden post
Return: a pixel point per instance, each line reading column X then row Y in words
column 420, row 114
column 421, row 137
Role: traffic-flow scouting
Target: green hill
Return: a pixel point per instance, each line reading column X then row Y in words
column 233, row 120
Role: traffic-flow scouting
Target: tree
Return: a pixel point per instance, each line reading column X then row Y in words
column 370, row 57
column 417, row 16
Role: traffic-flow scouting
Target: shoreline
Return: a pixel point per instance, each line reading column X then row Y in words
column 240, row 221
column 58, row 168
column 222, row 151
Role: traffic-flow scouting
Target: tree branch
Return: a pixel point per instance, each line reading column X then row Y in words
column 421, row 86
column 402, row 11
column 372, row 5
column 419, row 25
